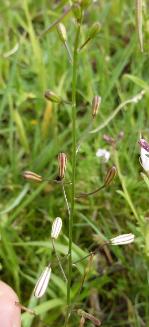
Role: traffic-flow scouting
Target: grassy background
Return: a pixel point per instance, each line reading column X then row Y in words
column 34, row 131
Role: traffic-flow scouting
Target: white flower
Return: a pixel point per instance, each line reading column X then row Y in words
column 144, row 154
column 102, row 153
column 56, row 228
column 122, row 239
column 42, row 282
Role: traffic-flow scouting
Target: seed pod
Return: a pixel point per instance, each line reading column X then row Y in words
column 29, row 175
column 56, row 228
column 95, row 105
column 42, row 282
column 110, row 175
column 94, row 30
column 50, row 95
column 62, row 162
column 62, row 32
column 122, row 239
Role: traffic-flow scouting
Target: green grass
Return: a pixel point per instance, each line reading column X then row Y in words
column 32, row 134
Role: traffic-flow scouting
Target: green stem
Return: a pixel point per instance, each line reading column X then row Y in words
column 74, row 82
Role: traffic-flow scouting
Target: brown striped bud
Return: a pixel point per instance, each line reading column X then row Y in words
column 62, row 32
column 110, row 176
column 95, row 105
column 90, row 317
column 53, row 97
column 29, row 175
column 62, row 162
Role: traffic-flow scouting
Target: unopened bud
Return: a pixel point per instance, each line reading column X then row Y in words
column 85, row 3
column 122, row 239
column 95, row 105
column 53, row 97
column 90, row 317
column 56, row 228
column 62, row 162
column 94, row 30
column 62, row 32
column 29, row 175
column 110, row 175
column 42, row 282
column 77, row 11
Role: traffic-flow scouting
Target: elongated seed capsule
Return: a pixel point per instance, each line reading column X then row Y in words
column 30, row 175
column 62, row 162
column 62, row 32
column 56, row 228
column 42, row 283
column 94, row 30
column 95, row 105
column 110, row 175
column 53, row 97
column 122, row 239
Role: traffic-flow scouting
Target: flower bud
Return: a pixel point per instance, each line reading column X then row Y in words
column 50, row 95
column 95, row 105
column 62, row 32
column 94, row 30
column 110, row 175
column 56, row 228
column 62, row 162
column 29, row 175
column 122, row 239
column 77, row 11
column 42, row 282
column 85, row 3
column 144, row 144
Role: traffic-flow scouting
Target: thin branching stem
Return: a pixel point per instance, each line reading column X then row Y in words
column 74, row 82
column 59, row 261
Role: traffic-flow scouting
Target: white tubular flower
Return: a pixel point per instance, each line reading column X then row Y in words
column 122, row 239
column 144, row 154
column 42, row 283
column 56, row 228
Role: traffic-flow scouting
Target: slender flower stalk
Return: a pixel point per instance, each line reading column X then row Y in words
column 58, row 259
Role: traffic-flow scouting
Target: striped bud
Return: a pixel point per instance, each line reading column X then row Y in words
column 95, row 105
column 29, row 175
column 62, row 162
column 42, row 282
column 144, row 144
column 62, row 32
column 94, row 30
column 56, row 228
column 50, row 95
column 110, row 175
column 122, row 239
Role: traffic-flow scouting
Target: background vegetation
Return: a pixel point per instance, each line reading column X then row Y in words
column 33, row 132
